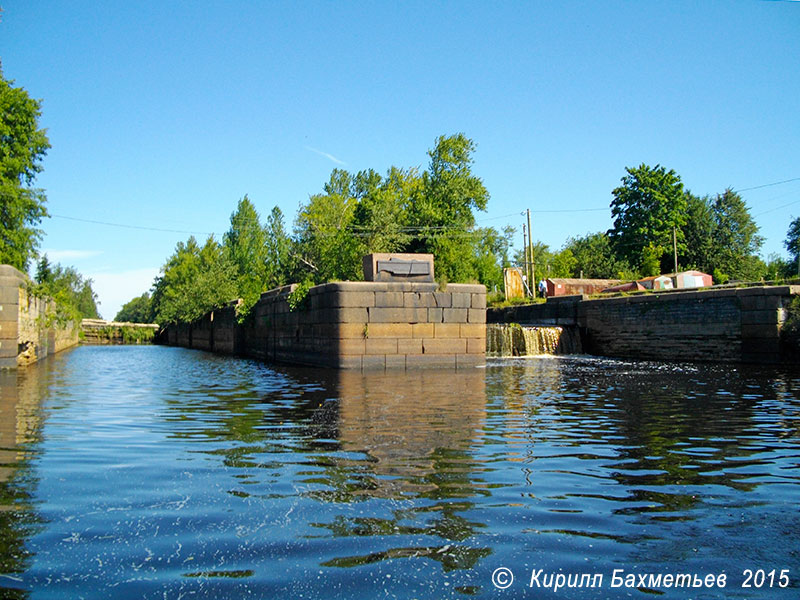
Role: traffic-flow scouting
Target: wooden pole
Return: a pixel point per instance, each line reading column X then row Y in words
column 675, row 249
column 530, row 249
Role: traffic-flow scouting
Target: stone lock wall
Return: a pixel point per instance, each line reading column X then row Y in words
column 27, row 333
column 715, row 325
column 352, row 325
column 723, row 325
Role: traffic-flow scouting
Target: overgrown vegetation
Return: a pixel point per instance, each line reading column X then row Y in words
column 653, row 216
column 406, row 210
column 136, row 310
column 22, row 146
column 433, row 211
column 72, row 292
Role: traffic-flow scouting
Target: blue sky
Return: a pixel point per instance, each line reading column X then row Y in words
column 162, row 115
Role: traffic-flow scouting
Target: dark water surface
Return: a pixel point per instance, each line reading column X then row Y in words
column 150, row 472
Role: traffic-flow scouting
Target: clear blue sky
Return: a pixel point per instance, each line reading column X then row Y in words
column 163, row 114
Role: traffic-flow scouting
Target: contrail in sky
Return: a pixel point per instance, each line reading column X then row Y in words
column 326, row 155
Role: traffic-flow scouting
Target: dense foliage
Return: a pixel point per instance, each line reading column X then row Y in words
column 355, row 214
column 653, row 217
column 75, row 299
column 136, row 310
column 22, row 146
column 433, row 210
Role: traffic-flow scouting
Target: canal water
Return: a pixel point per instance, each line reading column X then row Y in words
column 152, row 472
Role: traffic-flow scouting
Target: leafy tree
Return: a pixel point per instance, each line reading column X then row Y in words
column 324, row 230
column 698, row 233
column 646, row 208
column 245, row 246
column 278, row 251
column 778, row 268
column 491, row 255
column 193, row 281
column 73, row 294
column 735, row 238
column 792, row 243
column 380, row 217
column 22, row 146
column 595, row 257
column 443, row 212
column 136, row 310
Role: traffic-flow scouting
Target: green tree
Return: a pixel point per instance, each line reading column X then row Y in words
column 278, row 251
column 792, row 243
column 381, row 214
column 245, row 246
column 735, row 238
column 136, row 310
column 193, row 281
column 442, row 214
column 698, row 233
column 646, row 208
column 491, row 255
column 22, row 146
column 595, row 258
column 327, row 245
column 75, row 299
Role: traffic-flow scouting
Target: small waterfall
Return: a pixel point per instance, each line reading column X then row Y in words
column 511, row 339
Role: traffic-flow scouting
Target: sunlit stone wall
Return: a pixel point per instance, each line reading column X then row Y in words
column 27, row 330
column 718, row 325
column 353, row 325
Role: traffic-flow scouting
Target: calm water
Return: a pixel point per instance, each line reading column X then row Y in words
column 149, row 472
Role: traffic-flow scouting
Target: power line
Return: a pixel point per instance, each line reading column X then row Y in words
column 758, row 187
column 126, row 226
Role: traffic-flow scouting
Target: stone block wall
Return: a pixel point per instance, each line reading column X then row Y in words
column 720, row 325
column 27, row 333
column 353, row 325
column 723, row 325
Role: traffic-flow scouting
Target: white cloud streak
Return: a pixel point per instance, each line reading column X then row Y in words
column 330, row 157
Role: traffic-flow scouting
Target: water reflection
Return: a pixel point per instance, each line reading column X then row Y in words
column 415, row 434
column 20, row 428
column 152, row 472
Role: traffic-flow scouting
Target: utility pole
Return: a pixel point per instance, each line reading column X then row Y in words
column 530, row 249
column 525, row 254
column 675, row 248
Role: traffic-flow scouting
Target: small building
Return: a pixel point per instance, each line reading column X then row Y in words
column 659, row 282
column 671, row 281
column 569, row 287
column 692, row 279
column 630, row 286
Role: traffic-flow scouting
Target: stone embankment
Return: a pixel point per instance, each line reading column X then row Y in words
column 361, row 325
column 719, row 325
column 29, row 329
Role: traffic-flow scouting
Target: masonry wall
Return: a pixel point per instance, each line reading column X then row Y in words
column 27, row 334
column 724, row 325
column 352, row 325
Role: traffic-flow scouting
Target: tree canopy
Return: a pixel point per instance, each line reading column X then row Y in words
column 75, row 299
column 22, row 146
column 136, row 310
column 646, row 208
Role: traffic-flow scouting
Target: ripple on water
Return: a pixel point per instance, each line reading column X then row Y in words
column 160, row 472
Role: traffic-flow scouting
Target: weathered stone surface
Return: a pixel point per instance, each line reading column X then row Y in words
column 455, row 315
column 349, row 325
column 444, row 346
column 380, row 346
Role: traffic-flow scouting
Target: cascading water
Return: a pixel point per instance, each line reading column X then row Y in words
column 511, row 339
